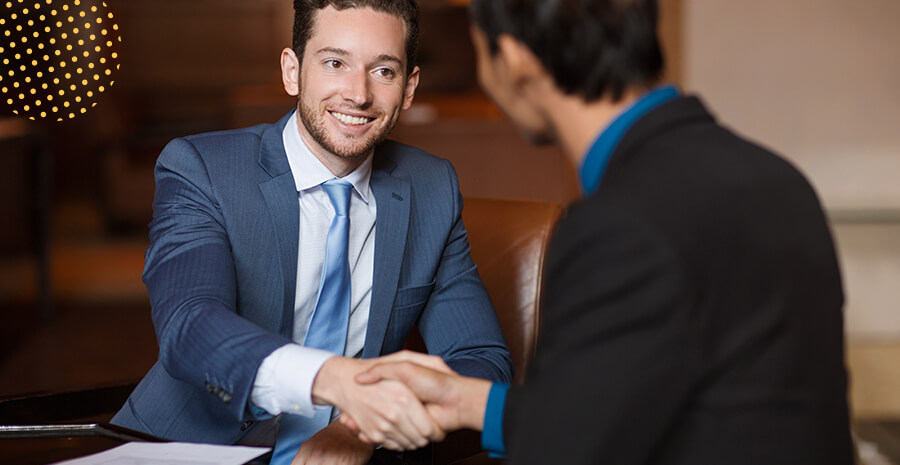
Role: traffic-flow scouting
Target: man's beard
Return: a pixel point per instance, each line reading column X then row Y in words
column 315, row 125
column 538, row 138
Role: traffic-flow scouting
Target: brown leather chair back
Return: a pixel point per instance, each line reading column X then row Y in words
column 509, row 241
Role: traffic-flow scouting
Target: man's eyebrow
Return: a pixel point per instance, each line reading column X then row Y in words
column 391, row 58
column 336, row 51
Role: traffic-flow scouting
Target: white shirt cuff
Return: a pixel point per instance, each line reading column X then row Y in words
column 285, row 378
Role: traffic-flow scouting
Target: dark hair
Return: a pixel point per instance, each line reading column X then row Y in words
column 592, row 48
column 406, row 10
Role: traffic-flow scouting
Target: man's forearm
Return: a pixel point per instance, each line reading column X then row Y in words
column 472, row 402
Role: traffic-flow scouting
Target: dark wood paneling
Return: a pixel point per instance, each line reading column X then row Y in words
column 200, row 43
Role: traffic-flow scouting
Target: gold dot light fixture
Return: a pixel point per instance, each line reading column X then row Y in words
column 57, row 57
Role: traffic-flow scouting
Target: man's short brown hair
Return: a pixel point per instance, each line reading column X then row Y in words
column 406, row 10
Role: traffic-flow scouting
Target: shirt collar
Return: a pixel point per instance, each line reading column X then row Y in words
column 309, row 172
column 594, row 164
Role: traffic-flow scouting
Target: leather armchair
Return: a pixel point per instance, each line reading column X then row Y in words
column 509, row 241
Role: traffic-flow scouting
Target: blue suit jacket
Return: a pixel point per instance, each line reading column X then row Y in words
column 222, row 265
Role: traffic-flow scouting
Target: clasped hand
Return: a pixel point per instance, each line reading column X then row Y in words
column 428, row 398
column 385, row 411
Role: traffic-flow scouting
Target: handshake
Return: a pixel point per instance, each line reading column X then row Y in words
column 403, row 400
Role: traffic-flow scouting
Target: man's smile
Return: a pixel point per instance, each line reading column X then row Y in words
column 350, row 119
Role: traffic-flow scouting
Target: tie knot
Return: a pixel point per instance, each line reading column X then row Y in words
column 339, row 194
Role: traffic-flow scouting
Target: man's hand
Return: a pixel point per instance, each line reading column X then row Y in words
column 334, row 445
column 453, row 401
column 389, row 413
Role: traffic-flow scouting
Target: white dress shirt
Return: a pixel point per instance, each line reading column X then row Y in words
column 284, row 380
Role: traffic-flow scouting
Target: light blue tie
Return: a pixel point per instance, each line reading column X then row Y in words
column 331, row 317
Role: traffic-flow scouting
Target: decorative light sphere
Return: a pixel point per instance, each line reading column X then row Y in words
column 70, row 40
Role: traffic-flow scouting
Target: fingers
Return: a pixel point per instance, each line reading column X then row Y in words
column 425, row 425
column 438, row 433
column 423, row 382
column 349, row 422
column 371, row 377
column 398, row 371
column 396, row 418
column 428, row 361
column 414, row 425
column 362, row 437
column 393, row 445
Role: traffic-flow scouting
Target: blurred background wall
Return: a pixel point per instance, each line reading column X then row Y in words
column 815, row 80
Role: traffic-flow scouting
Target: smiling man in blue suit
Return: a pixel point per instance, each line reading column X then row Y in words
column 282, row 256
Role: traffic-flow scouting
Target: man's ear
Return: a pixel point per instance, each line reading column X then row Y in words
column 520, row 63
column 290, row 72
column 410, row 91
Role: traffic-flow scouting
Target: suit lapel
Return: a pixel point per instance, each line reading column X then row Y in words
column 280, row 194
column 392, row 200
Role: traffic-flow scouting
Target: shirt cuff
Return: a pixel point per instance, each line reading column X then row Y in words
column 285, row 378
column 492, row 432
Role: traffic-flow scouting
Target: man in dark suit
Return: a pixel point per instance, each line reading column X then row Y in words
column 242, row 229
column 693, row 302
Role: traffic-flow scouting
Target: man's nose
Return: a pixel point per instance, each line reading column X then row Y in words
column 356, row 89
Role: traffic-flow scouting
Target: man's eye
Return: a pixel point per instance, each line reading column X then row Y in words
column 384, row 72
column 333, row 64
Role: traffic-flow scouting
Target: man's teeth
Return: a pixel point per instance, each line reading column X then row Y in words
column 347, row 119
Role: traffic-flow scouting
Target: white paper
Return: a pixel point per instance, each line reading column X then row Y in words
column 170, row 453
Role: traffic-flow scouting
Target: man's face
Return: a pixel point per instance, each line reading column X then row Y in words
column 352, row 82
column 498, row 79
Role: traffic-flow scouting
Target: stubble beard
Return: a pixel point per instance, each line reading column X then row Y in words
column 539, row 138
column 355, row 148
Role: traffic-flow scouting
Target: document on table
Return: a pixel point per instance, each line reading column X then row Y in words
column 170, row 453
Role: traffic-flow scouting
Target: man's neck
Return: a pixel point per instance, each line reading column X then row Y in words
column 577, row 123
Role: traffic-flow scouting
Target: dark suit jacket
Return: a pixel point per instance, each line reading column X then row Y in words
column 222, row 265
column 693, row 312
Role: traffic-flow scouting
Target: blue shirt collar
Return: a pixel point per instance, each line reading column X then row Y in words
column 594, row 164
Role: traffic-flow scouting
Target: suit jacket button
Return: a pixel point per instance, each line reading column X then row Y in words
column 226, row 396
column 246, row 425
column 209, row 387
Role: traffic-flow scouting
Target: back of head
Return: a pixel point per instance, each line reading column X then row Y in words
column 591, row 48
column 406, row 10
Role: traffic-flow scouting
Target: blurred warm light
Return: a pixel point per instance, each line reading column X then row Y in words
column 49, row 48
